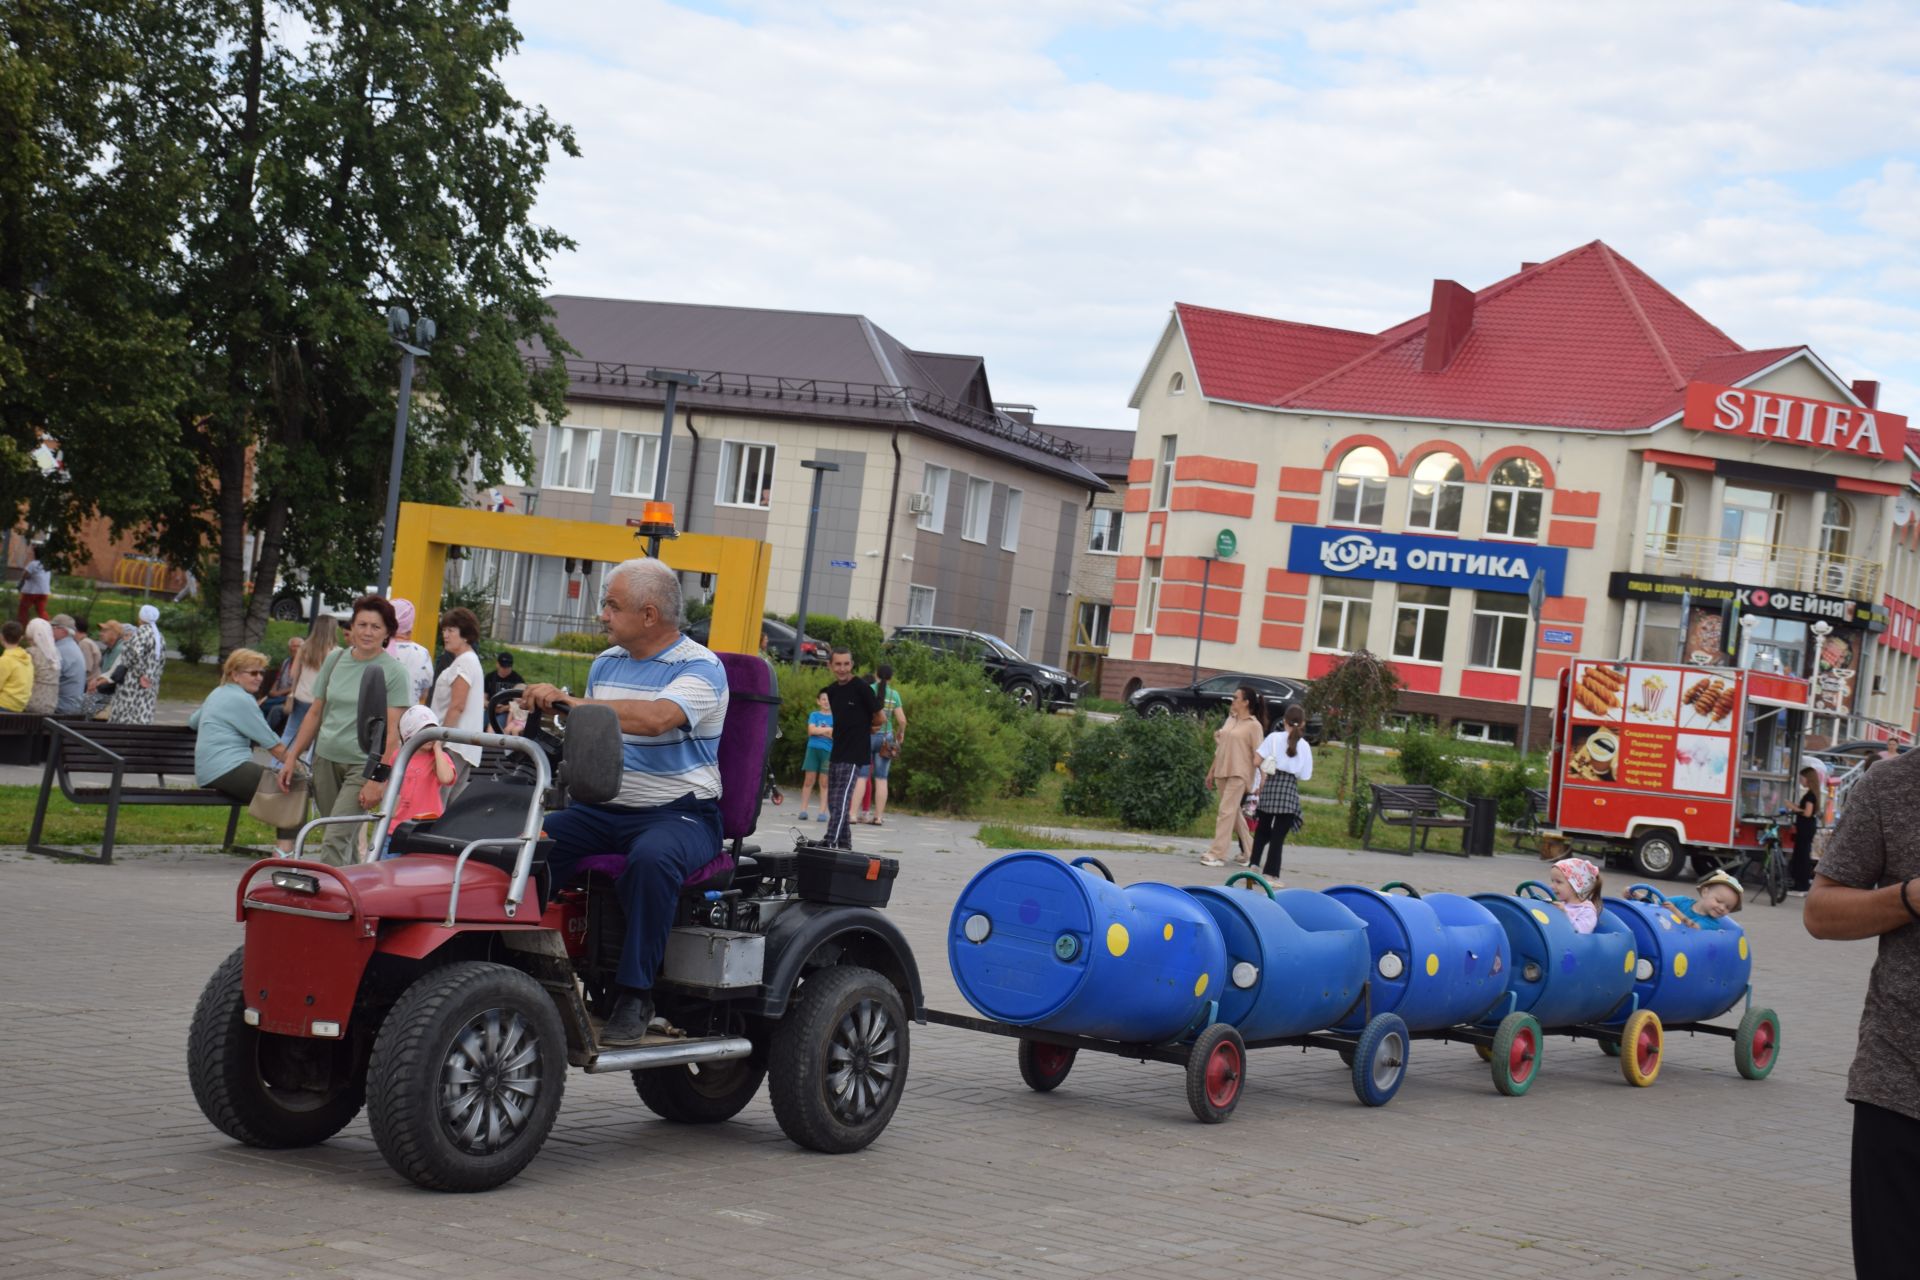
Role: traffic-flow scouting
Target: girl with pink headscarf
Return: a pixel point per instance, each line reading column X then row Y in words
column 410, row 655
column 1576, row 888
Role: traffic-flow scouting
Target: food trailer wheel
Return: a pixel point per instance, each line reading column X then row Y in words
column 1756, row 1046
column 1216, row 1070
column 1044, row 1066
column 1380, row 1059
column 1515, row 1056
column 1641, row 1045
column 1657, row 853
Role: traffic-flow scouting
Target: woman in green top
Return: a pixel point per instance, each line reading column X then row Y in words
column 228, row 726
column 340, row 784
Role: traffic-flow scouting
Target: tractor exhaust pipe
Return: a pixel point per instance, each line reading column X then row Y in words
column 677, row 1054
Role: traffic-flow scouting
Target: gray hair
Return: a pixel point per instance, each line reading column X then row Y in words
column 649, row 582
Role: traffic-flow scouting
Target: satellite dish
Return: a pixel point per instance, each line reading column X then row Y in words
column 1903, row 509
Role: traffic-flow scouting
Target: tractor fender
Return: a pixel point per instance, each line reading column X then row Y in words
column 860, row 935
column 421, row 938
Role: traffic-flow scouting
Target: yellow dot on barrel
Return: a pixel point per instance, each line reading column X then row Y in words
column 1433, row 964
column 1117, row 939
column 1167, row 933
column 1743, row 948
column 1680, row 964
column 1629, row 965
column 1539, row 915
column 1200, row 987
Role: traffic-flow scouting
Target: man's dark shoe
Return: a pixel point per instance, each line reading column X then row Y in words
column 627, row 1024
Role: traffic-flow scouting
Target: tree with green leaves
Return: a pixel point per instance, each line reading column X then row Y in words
column 1352, row 700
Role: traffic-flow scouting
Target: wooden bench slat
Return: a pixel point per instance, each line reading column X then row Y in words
column 139, row 750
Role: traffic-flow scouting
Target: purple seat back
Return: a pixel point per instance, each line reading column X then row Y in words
column 753, row 714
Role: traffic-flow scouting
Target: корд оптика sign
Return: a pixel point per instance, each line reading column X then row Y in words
column 1436, row 562
column 1771, row 601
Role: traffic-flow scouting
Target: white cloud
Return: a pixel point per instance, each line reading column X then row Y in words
column 943, row 169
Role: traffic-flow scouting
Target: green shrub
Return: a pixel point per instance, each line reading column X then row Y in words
column 1425, row 760
column 867, row 641
column 799, row 686
column 1043, row 743
column 579, row 641
column 189, row 628
column 1147, row 773
column 1505, row 780
column 958, row 752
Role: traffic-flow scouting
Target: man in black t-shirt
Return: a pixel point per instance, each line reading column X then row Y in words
column 854, row 704
column 503, row 676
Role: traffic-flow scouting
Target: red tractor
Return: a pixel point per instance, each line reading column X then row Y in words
column 447, row 986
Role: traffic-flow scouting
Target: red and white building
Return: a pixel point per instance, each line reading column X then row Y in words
column 1685, row 499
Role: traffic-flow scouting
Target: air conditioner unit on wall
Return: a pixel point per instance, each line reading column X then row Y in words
column 919, row 503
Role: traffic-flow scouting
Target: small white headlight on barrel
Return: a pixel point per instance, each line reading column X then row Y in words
column 1245, row 974
column 1642, row 970
column 329, row 1030
column 978, row 927
column 1391, row 966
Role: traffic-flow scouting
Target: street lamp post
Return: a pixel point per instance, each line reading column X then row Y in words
column 398, row 325
column 1536, row 600
column 819, row 470
column 674, row 381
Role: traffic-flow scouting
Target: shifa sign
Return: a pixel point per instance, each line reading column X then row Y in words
column 1437, row 562
column 1812, row 424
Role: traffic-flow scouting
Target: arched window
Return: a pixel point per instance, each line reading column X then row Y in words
column 1438, row 491
column 1514, row 498
column 1666, row 513
column 1177, row 384
column 1836, row 544
column 1360, row 488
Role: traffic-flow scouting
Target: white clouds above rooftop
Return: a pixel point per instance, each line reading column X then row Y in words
column 1038, row 182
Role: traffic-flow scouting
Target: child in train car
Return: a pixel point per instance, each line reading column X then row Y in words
column 1716, row 896
column 1576, row 889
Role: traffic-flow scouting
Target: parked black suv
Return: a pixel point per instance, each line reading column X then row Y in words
column 1032, row 684
column 1215, row 694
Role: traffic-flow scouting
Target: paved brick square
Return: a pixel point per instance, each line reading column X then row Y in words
column 108, row 1169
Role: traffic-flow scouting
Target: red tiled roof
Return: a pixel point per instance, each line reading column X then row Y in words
column 1586, row 341
column 1255, row 360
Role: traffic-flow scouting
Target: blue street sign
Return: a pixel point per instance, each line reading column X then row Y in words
column 1550, row 636
column 844, row 564
column 1440, row 562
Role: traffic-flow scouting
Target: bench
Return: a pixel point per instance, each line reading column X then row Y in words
column 1528, row 839
column 23, row 738
column 1417, row 808
column 165, row 750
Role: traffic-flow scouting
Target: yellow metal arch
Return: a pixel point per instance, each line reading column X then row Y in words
column 739, row 565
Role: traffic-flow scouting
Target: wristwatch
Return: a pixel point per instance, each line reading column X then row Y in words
column 379, row 772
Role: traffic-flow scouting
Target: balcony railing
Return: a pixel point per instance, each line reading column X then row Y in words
column 1761, row 565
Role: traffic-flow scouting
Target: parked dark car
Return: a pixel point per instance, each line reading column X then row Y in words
column 779, row 638
column 1032, row 684
column 1215, row 694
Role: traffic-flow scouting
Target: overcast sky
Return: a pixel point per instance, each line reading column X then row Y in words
column 1037, row 182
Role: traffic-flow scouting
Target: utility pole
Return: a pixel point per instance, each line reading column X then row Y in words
column 819, row 470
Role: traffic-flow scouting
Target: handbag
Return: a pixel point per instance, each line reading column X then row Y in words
column 280, row 809
column 889, row 748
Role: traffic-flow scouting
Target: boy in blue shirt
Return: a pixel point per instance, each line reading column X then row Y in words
column 819, row 752
column 1719, row 895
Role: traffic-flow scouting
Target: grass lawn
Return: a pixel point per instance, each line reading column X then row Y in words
column 80, row 826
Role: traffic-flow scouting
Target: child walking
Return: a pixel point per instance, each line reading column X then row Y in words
column 1576, row 887
column 1286, row 761
column 819, row 752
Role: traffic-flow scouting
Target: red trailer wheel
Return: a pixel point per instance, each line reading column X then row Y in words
column 1215, row 1073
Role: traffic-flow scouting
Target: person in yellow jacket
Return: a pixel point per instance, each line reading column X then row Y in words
column 16, row 669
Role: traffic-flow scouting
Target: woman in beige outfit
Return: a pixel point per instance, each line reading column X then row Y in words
column 1232, row 773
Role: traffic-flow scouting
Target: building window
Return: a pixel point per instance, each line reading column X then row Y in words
column 1023, row 632
column 1104, row 533
column 1150, row 596
column 1666, row 512
column 1438, row 492
column 933, row 489
column 1659, row 632
column 1346, row 609
column 919, row 606
column 1750, row 525
column 1360, row 488
column 1177, row 384
column 1476, row 731
column 1163, row 472
column 1010, row 521
column 1090, row 626
column 1836, row 544
column 973, row 519
column 1499, row 631
column 636, row 458
column 1516, row 491
column 1420, row 623
column 573, row 457
column 746, row 475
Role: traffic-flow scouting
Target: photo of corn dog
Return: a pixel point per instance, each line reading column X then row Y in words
column 1707, row 701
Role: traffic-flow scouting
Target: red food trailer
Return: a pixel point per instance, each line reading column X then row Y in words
column 1653, row 762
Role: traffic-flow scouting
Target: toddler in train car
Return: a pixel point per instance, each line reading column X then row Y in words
column 1718, row 894
column 1576, row 888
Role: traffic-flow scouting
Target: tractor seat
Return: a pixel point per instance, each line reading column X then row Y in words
column 487, row 807
column 714, row 875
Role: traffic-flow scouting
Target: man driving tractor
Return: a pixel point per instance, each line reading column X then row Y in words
column 670, row 694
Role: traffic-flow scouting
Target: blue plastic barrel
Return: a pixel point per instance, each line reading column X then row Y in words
column 1684, row 974
column 1034, row 942
column 1437, row 961
column 1296, row 962
column 1561, row 977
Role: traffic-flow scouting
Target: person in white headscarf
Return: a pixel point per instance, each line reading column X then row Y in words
column 150, row 622
column 136, row 677
column 46, row 667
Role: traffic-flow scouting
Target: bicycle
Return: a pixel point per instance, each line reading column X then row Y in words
column 1768, row 863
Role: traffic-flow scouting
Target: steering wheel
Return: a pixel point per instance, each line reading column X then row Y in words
column 1391, row 885
column 1646, row 893
column 1533, row 889
column 542, row 736
column 1251, row 877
